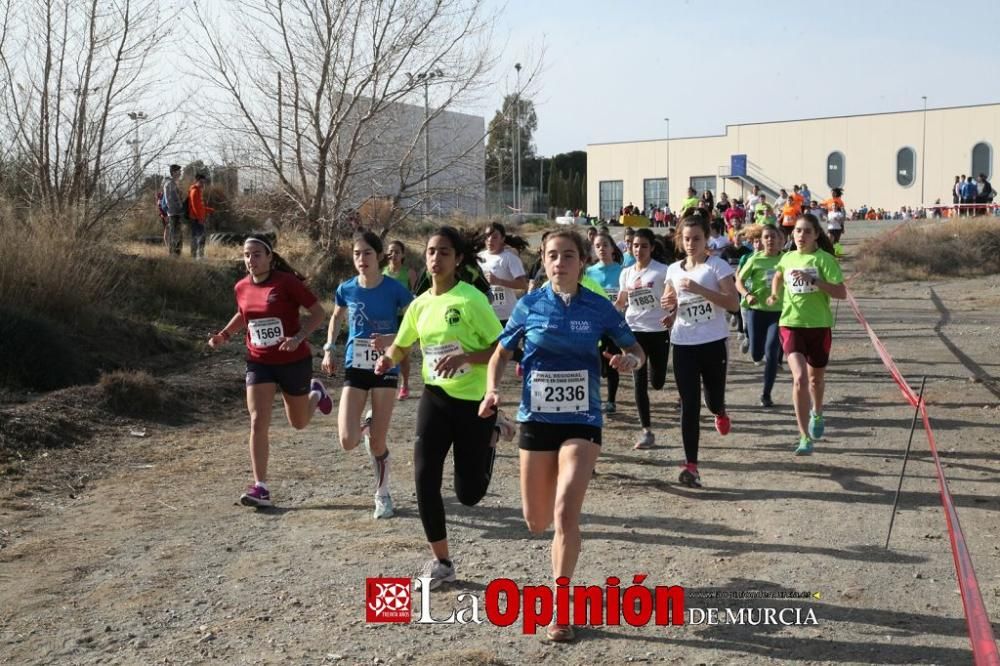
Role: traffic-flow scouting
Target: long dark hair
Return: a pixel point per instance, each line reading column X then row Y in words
column 278, row 263
column 616, row 253
column 513, row 241
column 658, row 251
column 467, row 269
column 822, row 240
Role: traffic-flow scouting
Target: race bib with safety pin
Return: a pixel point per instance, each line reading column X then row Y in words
column 642, row 299
column 435, row 353
column 560, row 392
column 805, row 283
column 695, row 310
column 364, row 356
column 266, row 332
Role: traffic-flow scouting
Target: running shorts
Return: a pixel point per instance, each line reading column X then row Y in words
column 813, row 343
column 536, row 436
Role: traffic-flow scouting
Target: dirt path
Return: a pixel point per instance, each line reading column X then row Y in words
column 134, row 551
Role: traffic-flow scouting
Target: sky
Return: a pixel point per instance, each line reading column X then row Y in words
column 613, row 70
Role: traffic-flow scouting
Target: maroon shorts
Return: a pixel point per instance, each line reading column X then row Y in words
column 813, row 343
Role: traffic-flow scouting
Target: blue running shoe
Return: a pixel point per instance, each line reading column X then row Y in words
column 816, row 426
column 805, row 447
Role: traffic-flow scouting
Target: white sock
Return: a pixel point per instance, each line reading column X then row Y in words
column 261, row 484
column 380, row 466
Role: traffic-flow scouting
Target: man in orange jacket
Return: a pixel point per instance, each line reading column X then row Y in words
column 198, row 215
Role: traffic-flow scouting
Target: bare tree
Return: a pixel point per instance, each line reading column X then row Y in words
column 72, row 70
column 319, row 87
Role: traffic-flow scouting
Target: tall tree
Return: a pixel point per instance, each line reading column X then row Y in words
column 325, row 91
column 516, row 110
column 72, row 76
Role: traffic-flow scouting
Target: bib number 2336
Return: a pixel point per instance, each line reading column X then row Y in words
column 560, row 392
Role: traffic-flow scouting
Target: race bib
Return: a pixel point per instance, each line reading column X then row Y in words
column 560, row 392
column 642, row 299
column 612, row 294
column 434, row 353
column 266, row 332
column 695, row 310
column 499, row 296
column 804, row 283
column 364, row 356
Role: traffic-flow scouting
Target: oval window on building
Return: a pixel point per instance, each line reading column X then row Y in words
column 906, row 164
column 835, row 169
column 982, row 160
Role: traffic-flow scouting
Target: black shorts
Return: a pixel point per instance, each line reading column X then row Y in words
column 292, row 378
column 367, row 380
column 537, row 436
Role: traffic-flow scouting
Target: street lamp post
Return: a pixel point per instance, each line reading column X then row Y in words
column 517, row 110
column 923, row 153
column 136, row 116
column 668, row 160
column 425, row 78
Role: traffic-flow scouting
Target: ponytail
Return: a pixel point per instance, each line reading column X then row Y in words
column 822, row 240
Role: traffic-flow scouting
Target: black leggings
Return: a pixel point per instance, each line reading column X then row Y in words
column 608, row 345
column 695, row 365
column 442, row 421
column 656, row 346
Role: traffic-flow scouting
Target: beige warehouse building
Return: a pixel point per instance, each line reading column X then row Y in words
column 876, row 158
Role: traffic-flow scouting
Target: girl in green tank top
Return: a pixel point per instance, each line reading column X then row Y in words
column 398, row 271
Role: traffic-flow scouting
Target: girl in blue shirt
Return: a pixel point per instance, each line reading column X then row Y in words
column 606, row 272
column 371, row 302
column 560, row 410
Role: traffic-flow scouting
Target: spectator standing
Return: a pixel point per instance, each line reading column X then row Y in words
column 968, row 193
column 175, row 209
column 198, row 215
column 956, row 192
column 984, row 193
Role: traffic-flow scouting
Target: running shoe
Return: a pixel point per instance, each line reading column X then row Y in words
column 506, row 427
column 404, row 393
column 723, row 425
column 689, row 476
column 765, row 401
column 745, row 346
column 805, row 447
column 438, row 572
column 647, row 441
column 366, row 431
column 816, row 426
column 325, row 404
column 256, row 496
column 609, row 407
column 383, row 507
column 560, row 633
column 757, row 364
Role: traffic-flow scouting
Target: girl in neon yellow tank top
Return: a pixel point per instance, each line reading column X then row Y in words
column 398, row 271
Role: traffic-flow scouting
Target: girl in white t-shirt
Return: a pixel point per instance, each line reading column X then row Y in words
column 503, row 269
column 700, row 290
column 640, row 287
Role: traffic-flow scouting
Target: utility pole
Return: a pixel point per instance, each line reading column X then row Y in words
column 923, row 153
column 136, row 116
column 668, row 161
column 281, row 143
column 517, row 67
column 425, row 78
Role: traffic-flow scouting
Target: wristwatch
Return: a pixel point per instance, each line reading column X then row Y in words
column 330, row 346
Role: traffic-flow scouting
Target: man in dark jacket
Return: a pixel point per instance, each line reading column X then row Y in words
column 175, row 209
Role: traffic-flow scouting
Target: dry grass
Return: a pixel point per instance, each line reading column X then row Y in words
column 956, row 248
column 130, row 393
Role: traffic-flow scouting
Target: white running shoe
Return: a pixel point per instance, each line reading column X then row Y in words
column 366, row 429
column 383, row 507
column 438, row 572
column 507, row 427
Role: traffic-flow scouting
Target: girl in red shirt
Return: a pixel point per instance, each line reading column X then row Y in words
column 268, row 301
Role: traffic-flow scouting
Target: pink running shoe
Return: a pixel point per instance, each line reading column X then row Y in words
column 404, row 393
column 325, row 404
column 722, row 424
